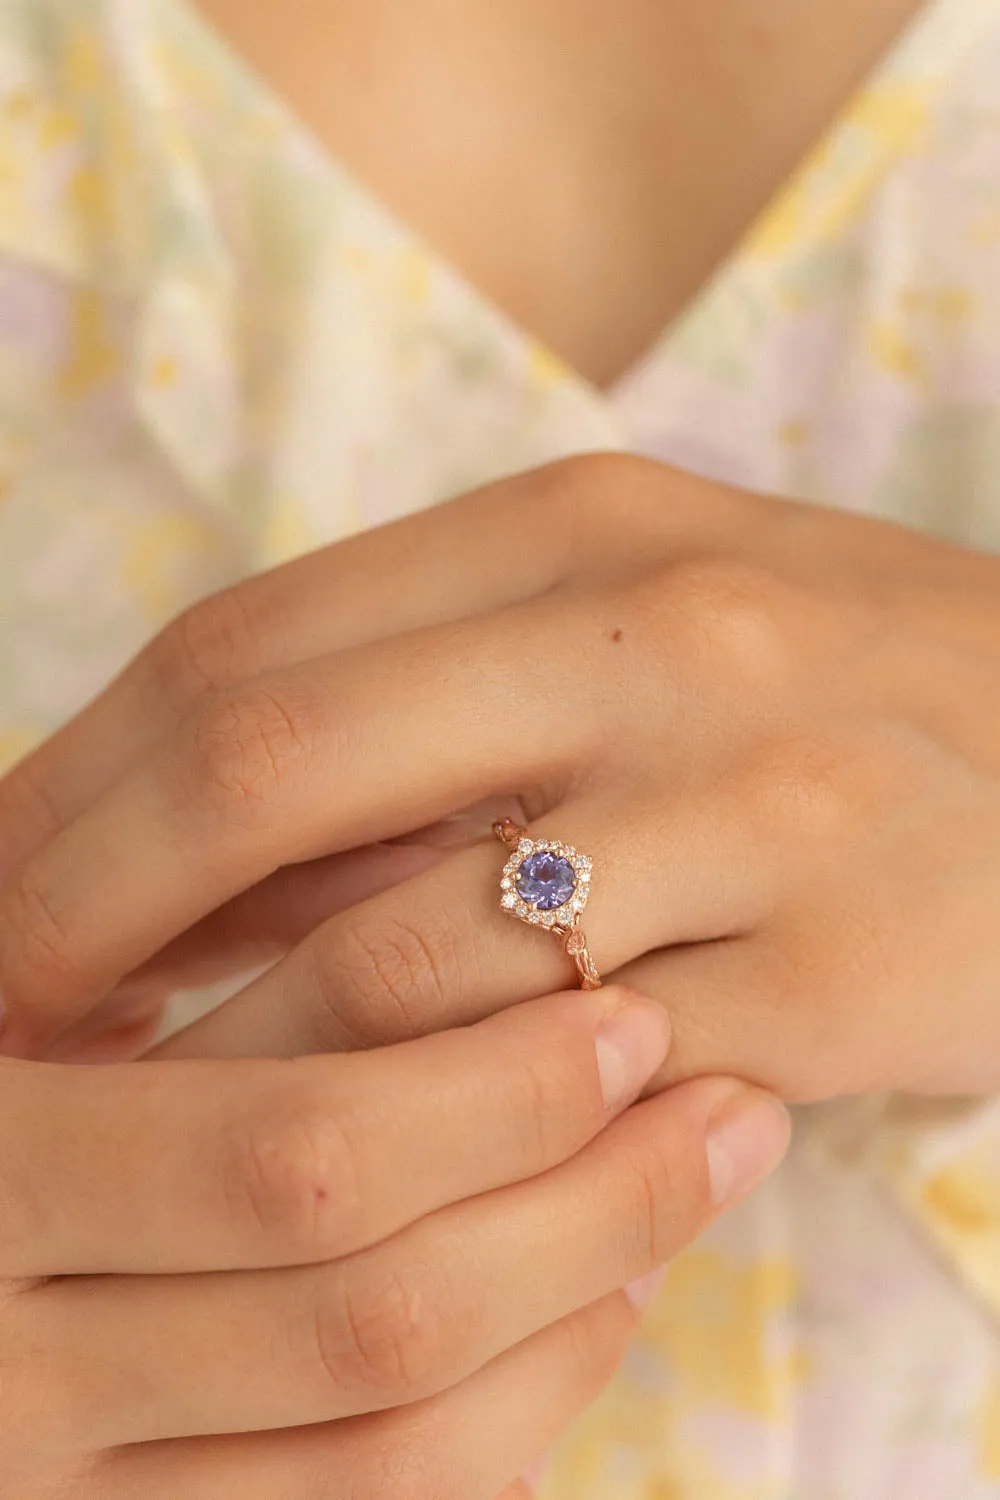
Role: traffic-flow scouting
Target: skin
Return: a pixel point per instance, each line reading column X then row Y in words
column 557, row 152
column 763, row 808
column 782, row 716
column 257, row 1279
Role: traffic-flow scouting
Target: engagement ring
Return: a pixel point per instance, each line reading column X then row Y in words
column 546, row 884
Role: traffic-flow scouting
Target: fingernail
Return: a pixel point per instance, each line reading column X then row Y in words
column 644, row 1291
column 748, row 1136
column 631, row 1044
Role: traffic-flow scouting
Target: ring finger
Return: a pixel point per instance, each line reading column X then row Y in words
column 287, row 770
column 438, row 951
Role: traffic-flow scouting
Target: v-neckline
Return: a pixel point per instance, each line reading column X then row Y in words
column 616, row 392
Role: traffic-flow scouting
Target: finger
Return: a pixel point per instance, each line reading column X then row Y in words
column 439, row 951
column 201, row 1166
column 412, row 1316
column 245, row 935
column 122, row 1030
column 369, row 587
column 462, row 1445
column 729, row 1001
column 284, row 771
column 257, row 928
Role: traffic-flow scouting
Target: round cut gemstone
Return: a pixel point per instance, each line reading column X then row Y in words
column 546, row 880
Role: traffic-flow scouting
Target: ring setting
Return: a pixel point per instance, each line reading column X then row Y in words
column 547, row 884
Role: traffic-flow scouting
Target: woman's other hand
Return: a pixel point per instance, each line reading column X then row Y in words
column 328, row 1276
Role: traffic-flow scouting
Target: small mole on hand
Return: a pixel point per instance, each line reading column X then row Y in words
column 617, row 635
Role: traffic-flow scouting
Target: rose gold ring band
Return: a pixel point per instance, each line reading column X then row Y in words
column 547, row 883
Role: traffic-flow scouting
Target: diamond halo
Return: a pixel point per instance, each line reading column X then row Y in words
column 565, row 870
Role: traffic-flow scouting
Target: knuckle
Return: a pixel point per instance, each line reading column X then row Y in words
column 625, row 495
column 245, row 749
column 665, row 1201
column 41, row 1399
column 596, row 472
column 591, row 494
column 36, row 937
column 299, row 1181
column 542, row 1111
column 649, row 1185
column 729, row 612
column 384, row 979
column 29, row 809
column 802, row 787
column 387, row 1335
column 207, row 648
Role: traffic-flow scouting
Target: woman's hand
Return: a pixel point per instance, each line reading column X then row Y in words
column 775, row 728
column 208, row 1263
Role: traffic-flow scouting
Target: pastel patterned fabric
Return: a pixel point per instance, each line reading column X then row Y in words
column 218, row 350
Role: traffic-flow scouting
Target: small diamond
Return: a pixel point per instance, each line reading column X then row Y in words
column 524, row 847
column 578, row 904
column 506, row 883
column 534, row 917
column 585, row 875
column 548, row 920
column 508, row 900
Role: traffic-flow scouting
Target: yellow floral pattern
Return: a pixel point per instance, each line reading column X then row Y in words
column 218, row 350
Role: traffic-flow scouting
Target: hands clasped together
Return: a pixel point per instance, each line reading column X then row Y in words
column 777, row 731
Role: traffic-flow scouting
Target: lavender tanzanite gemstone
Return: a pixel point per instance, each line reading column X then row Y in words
column 546, row 880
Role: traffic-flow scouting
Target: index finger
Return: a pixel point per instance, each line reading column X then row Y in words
column 208, row 1166
column 357, row 747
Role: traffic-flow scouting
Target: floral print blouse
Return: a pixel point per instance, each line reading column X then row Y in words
column 218, row 349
